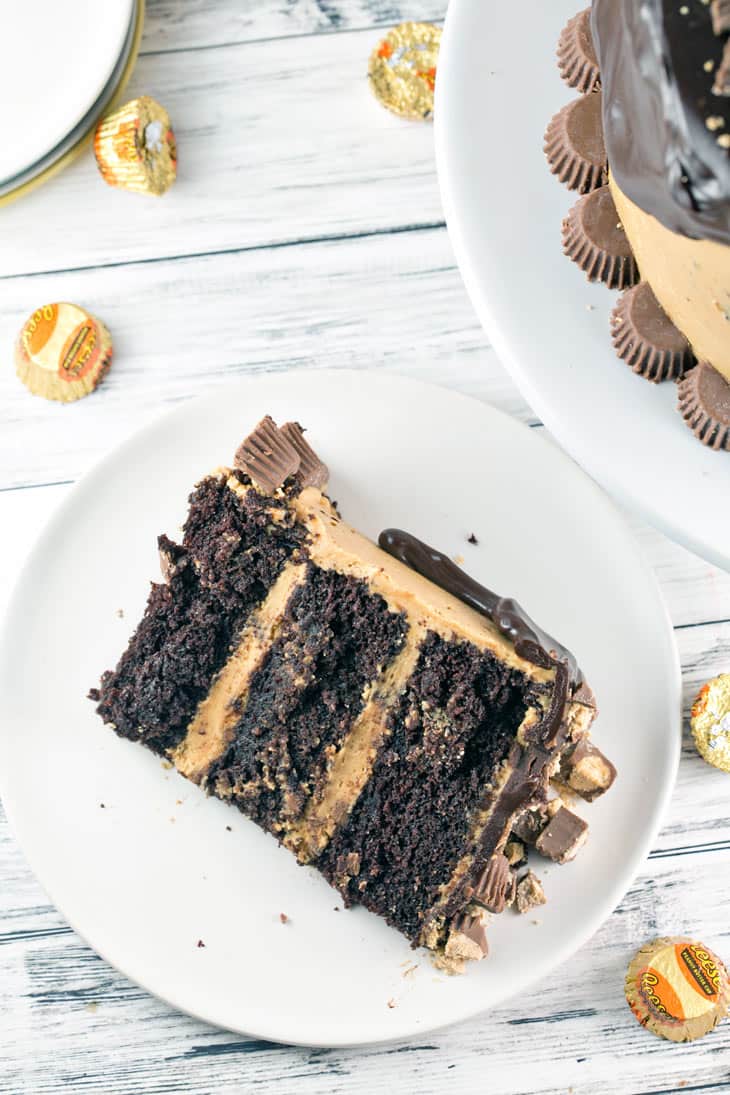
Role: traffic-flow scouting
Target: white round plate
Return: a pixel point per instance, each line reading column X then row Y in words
column 155, row 870
column 56, row 58
column 497, row 88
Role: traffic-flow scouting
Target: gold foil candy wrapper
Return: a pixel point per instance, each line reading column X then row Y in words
column 135, row 147
column 402, row 69
column 62, row 352
column 677, row 988
column 710, row 722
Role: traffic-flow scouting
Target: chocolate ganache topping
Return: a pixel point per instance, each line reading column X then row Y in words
column 530, row 641
column 666, row 131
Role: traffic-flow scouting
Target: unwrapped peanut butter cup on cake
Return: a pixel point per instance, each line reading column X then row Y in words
column 135, row 147
column 677, row 988
column 62, row 352
column 577, row 59
column 710, row 722
column 593, row 237
column 402, row 69
column 574, row 145
column 645, row 337
column 704, row 403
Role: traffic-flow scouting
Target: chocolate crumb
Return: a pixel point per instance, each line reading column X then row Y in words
column 102, row 806
column 229, row 829
column 284, row 918
column 471, row 539
column 530, row 893
column 200, row 943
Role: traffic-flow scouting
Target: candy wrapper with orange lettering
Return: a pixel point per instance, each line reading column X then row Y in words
column 62, row 352
column 677, row 988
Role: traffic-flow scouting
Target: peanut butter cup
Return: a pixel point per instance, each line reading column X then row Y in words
column 645, row 337
column 704, row 403
column 574, row 145
column 577, row 55
column 594, row 239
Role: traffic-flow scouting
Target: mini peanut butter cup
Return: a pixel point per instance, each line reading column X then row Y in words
column 574, row 145
column 577, row 59
column 677, row 988
column 593, row 237
column 704, row 403
column 62, row 352
column 645, row 337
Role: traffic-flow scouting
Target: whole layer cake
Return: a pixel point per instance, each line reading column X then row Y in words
column 648, row 145
column 390, row 721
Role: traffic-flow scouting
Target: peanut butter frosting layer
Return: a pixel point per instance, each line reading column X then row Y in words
column 211, row 730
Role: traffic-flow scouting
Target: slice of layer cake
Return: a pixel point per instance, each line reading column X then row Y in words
column 390, row 721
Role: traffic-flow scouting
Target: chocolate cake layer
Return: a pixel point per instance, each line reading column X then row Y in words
column 233, row 548
column 453, row 726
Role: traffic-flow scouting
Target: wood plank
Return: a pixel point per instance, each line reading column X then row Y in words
column 278, row 141
column 200, row 23
column 391, row 302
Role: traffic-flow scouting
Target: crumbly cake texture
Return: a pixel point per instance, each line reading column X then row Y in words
column 400, row 733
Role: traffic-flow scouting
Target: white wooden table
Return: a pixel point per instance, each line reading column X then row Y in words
column 305, row 231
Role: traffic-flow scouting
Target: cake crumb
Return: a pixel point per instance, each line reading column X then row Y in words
column 471, row 539
column 530, row 893
column 337, row 908
column 459, row 560
column 166, row 765
column 391, row 1003
column 410, row 970
column 284, row 918
column 200, row 943
column 537, row 923
column 178, row 802
column 120, row 613
column 92, row 1007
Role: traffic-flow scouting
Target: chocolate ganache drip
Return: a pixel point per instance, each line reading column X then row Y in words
column 530, row 641
column 666, row 129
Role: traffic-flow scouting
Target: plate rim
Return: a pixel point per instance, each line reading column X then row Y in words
column 500, row 340
column 622, row 883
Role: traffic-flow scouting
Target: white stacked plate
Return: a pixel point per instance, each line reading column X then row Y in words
column 61, row 62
